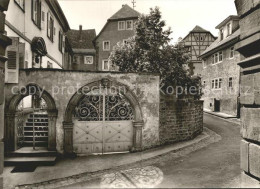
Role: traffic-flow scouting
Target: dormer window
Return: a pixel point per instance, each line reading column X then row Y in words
column 229, row 29
column 221, row 34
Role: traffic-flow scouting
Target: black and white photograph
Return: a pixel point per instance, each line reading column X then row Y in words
column 129, row 94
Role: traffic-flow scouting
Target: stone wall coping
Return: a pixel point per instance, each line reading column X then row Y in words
column 81, row 71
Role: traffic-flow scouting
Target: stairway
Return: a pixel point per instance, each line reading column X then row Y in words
column 27, row 156
column 36, row 123
column 40, row 124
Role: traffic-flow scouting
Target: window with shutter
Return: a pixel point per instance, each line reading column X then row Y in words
column 43, row 18
column 12, row 65
column 50, row 26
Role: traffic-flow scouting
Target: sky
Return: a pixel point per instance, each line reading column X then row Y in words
column 181, row 15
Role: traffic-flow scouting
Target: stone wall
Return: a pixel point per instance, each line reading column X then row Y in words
column 248, row 46
column 179, row 119
column 144, row 86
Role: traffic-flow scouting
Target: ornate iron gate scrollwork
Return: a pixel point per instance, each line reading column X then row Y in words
column 103, row 123
column 115, row 107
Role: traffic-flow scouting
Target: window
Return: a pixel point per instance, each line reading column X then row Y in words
column 50, row 26
column 203, row 64
column 36, row 13
column 129, row 24
column 60, row 41
column 221, row 34
column 88, row 60
column 220, row 57
column 106, row 45
column 76, row 59
column 105, row 65
column 125, row 41
column 212, row 84
column 229, row 29
column 204, row 83
column 49, row 65
column 121, row 25
column 20, row 3
column 201, row 38
column 231, row 55
column 230, row 82
column 216, row 83
column 217, row 57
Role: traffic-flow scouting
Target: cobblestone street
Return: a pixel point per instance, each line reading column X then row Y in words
column 216, row 165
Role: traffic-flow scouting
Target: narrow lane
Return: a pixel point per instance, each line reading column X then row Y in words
column 216, row 165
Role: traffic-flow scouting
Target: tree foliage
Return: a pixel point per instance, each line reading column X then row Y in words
column 150, row 51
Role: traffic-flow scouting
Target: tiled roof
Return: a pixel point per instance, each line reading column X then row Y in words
column 81, row 42
column 198, row 29
column 125, row 12
column 218, row 43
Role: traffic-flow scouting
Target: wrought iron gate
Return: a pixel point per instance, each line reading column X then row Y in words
column 102, row 124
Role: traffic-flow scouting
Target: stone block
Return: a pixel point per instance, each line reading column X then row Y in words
column 1, row 157
column 250, row 127
column 257, row 88
column 244, row 145
column 247, row 89
column 249, row 182
column 254, row 160
column 243, row 6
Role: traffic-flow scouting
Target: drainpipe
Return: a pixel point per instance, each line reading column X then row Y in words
column 4, row 42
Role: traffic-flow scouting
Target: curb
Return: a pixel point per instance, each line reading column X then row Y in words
column 231, row 119
column 211, row 137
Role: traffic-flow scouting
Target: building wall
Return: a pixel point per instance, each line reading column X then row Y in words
column 79, row 64
column 250, row 98
column 22, row 21
column 62, row 86
column 179, row 119
column 228, row 96
column 112, row 34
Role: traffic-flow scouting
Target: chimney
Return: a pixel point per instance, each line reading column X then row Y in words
column 123, row 5
column 80, row 32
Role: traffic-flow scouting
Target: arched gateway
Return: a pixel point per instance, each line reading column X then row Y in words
column 16, row 129
column 102, row 117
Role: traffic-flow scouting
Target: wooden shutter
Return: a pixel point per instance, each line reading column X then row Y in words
column 12, row 65
column 43, row 17
column 48, row 25
column 21, row 50
column 63, row 43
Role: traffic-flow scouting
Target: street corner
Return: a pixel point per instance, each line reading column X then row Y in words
column 143, row 177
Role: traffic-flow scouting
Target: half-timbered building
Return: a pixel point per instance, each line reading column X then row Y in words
column 196, row 42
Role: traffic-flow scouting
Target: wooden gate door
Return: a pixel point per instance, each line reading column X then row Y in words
column 103, row 124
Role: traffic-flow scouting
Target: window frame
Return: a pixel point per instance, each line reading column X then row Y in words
column 60, row 44
column 132, row 25
column 230, row 82
column 232, row 51
column 36, row 21
column 124, row 28
column 52, row 32
column 92, row 60
column 216, row 84
column 229, row 31
column 221, row 34
column 108, row 45
column 222, row 57
column 108, row 65
column 19, row 5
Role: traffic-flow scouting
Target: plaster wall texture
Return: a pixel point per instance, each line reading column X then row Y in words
column 144, row 86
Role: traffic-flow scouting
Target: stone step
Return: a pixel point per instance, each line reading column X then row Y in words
column 39, row 161
column 29, row 152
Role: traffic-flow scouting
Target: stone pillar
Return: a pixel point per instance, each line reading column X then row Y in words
column 248, row 46
column 68, row 137
column 138, row 127
column 4, row 42
column 52, row 116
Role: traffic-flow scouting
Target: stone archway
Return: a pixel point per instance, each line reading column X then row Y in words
column 11, row 118
column 138, row 117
